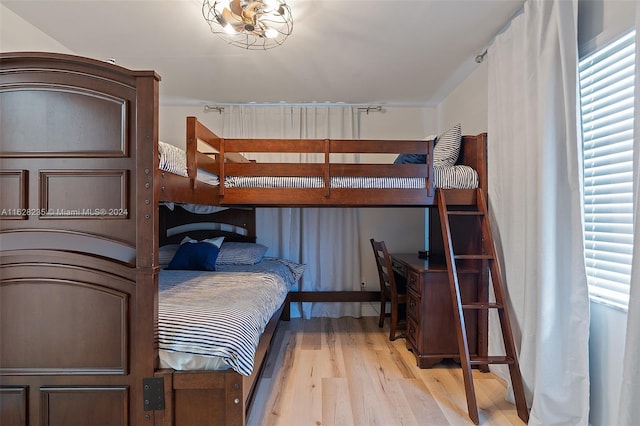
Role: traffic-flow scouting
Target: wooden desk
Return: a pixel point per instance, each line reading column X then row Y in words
column 431, row 335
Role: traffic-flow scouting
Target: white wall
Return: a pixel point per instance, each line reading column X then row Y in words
column 600, row 21
column 17, row 35
column 467, row 104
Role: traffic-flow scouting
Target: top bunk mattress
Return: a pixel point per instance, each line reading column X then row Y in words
column 173, row 160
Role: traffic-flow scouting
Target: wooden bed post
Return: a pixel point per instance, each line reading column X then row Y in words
column 145, row 353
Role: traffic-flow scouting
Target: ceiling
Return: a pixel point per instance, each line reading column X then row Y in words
column 389, row 52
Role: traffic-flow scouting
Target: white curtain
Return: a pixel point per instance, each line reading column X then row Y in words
column 325, row 239
column 629, row 412
column 534, row 194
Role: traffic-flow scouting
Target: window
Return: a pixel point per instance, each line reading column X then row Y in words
column 606, row 97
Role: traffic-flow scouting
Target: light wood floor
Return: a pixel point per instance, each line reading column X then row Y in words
column 346, row 372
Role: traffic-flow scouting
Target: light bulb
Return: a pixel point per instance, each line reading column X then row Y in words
column 271, row 33
column 229, row 29
column 270, row 4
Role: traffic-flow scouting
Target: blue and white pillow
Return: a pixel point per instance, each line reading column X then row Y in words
column 235, row 253
column 447, row 149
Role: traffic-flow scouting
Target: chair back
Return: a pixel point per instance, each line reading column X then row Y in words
column 385, row 270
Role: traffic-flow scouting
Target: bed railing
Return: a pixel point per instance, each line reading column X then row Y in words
column 228, row 157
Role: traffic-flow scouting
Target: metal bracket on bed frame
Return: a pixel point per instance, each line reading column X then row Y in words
column 153, row 393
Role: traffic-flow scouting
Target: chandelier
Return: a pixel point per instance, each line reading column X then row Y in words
column 261, row 24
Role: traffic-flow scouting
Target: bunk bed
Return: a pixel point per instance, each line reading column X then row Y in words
column 82, row 226
column 221, row 173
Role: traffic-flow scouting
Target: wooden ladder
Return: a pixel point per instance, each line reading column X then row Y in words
column 484, row 253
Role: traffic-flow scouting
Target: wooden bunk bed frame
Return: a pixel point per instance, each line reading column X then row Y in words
column 224, row 157
column 80, row 232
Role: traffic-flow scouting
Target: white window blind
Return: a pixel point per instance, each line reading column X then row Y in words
column 606, row 94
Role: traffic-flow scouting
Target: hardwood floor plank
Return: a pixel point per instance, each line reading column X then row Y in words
column 493, row 390
column 448, row 392
column 336, row 407
column 312, row 337
column 422, row 404
column 333, row 346
column 365, row 399
column 310, row 370
column 404, row 368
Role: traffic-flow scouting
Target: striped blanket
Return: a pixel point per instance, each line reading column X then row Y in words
column 220, row 314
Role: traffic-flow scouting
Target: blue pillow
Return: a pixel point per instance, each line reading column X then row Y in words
column 198, row 256
column 415, row 158
column 411, row 159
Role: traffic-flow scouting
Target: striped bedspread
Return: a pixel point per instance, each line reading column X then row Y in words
column 220, row 314
column 173, row 159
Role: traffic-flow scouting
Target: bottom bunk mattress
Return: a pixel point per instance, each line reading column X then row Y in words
column 214, row 320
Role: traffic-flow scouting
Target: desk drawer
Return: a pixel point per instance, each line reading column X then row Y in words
column 413, row 306
column 413, row 282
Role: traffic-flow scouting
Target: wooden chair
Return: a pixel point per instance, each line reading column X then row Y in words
column 390, row 290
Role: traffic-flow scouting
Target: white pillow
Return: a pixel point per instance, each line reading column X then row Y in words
column 447, row 147
column 215, row 241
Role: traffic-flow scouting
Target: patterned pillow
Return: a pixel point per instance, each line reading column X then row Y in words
column 172, row 158
column 447, row 148
column 232, row 253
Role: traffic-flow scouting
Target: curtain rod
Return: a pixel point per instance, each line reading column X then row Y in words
column 481, row 57
column 368, row 108
column 209, row 108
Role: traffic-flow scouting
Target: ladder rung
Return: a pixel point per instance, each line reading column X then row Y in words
column 465, row 213
column 481, row 305
column 491, row 360
column 473, row 256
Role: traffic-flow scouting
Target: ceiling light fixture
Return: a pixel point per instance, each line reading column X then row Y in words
column 261, row 24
